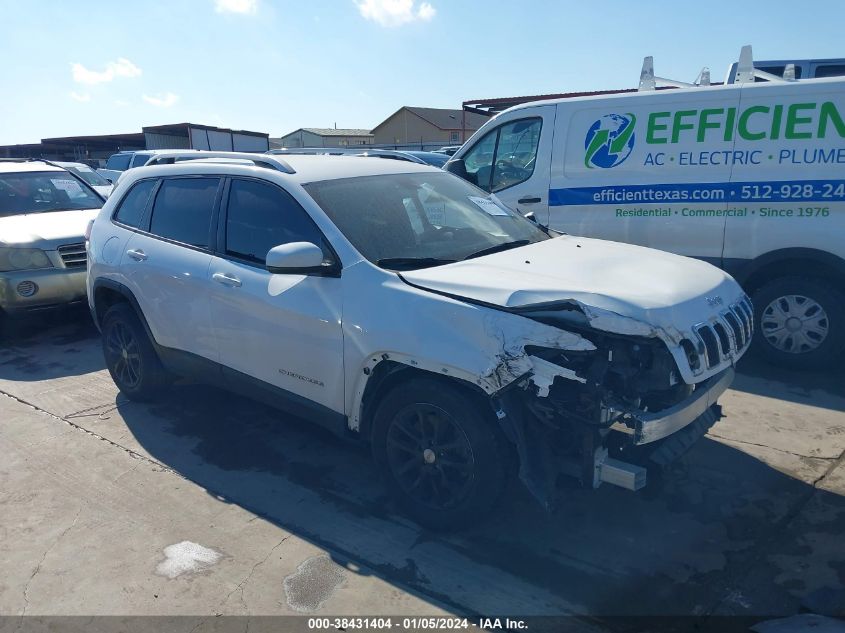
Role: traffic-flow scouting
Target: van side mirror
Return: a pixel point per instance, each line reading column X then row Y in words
column 295, row 258
column 458, row 167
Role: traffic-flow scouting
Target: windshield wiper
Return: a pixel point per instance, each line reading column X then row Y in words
column 504, row 246
column 411, row 263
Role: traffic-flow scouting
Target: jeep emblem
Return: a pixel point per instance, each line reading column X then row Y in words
column 714, row 301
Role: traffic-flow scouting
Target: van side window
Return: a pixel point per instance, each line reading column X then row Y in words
column 182, row 210
column 830, row 70
column 132, row 206
column 516, row 153
column 479, row 160
column 506, row 156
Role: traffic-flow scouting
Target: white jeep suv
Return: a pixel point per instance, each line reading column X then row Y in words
column 399, row 305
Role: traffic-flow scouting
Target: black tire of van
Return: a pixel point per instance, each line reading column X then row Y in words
column 130, row 357
column 471, row 445
column 789, row 291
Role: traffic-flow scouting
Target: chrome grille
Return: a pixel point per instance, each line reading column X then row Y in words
column 73, row 255
column 726, row 336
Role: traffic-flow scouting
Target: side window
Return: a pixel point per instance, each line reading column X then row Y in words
column 260, row 216
column 118, row 162
column 830, row 70
column 140, row 159
column 182, row 210
column 133, row 204
column 516, row 153
column 479, row 160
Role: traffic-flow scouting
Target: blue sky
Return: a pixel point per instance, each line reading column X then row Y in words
column 87, row 67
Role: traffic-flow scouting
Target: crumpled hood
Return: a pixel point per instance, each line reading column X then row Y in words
column 45, row 230
column 650, row 286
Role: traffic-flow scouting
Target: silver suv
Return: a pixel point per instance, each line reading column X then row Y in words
column 44, row 211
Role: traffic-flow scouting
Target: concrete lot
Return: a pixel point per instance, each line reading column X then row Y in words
column 210, row 504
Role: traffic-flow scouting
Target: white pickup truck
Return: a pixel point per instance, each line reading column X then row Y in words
column 747, row 176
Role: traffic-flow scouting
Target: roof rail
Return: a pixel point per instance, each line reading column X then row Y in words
column 259, row 160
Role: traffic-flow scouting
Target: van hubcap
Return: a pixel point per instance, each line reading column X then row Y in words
column 794, row 324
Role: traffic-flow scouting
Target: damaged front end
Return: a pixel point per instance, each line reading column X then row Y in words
column 602, row 415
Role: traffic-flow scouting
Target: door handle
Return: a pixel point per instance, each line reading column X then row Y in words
column 137, row 254
column 529, row 200
column 226, row 280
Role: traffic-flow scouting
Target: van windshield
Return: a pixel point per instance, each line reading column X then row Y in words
column 408, row 221
column 40, row 192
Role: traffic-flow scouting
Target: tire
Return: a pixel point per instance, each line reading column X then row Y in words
column 442, row 479
column 814, row 307
column 130, row 357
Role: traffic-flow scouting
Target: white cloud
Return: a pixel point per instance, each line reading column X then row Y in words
column 82, row 97
column 395, row 12
column 121, row 103
column 120, row 68
column 162, row 100
column 248, row 7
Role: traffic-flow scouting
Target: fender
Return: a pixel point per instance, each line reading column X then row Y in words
column 367, row 370
column 126, row 293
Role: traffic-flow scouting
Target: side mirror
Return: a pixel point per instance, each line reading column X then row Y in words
column 295, row 258
column 458, row 167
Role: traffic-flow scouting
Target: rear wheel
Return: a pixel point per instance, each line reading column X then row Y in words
column 800, row 323
column 130, row 357
column 442, row 459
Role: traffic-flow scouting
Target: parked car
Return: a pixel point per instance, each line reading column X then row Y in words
column 97, row 182
column 353, row 151
column 449, row 150
column 429, row 158
column 747, row 176
column 405, row 308
column 44, row 211
column 121, row 161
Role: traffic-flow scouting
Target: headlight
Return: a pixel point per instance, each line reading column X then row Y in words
column 23, row 259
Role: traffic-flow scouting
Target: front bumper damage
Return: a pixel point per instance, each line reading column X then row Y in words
column 650, row 427
column 644, row 438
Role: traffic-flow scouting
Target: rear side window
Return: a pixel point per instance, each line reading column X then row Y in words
column 830, row 70
column 132, row 207
column 140, row 159
column 183, row 208
column 261, row 216
column 118, row 162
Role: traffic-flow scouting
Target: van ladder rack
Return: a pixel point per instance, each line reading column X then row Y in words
column 745, row 73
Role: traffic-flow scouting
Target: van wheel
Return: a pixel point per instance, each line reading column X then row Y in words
column 799, row 323
column 441, row 458
column 131, row 360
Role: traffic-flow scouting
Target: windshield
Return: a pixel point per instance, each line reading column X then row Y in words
column 38, row 192
column 89, row 175
column 416, row 220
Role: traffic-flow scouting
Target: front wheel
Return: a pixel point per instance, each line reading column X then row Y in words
column 800, row 323
column 442, row 459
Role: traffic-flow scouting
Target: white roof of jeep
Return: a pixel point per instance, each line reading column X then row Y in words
column 12, row 167
column 307, row 168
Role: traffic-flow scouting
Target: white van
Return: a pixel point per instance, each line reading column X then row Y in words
column 748, row 176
